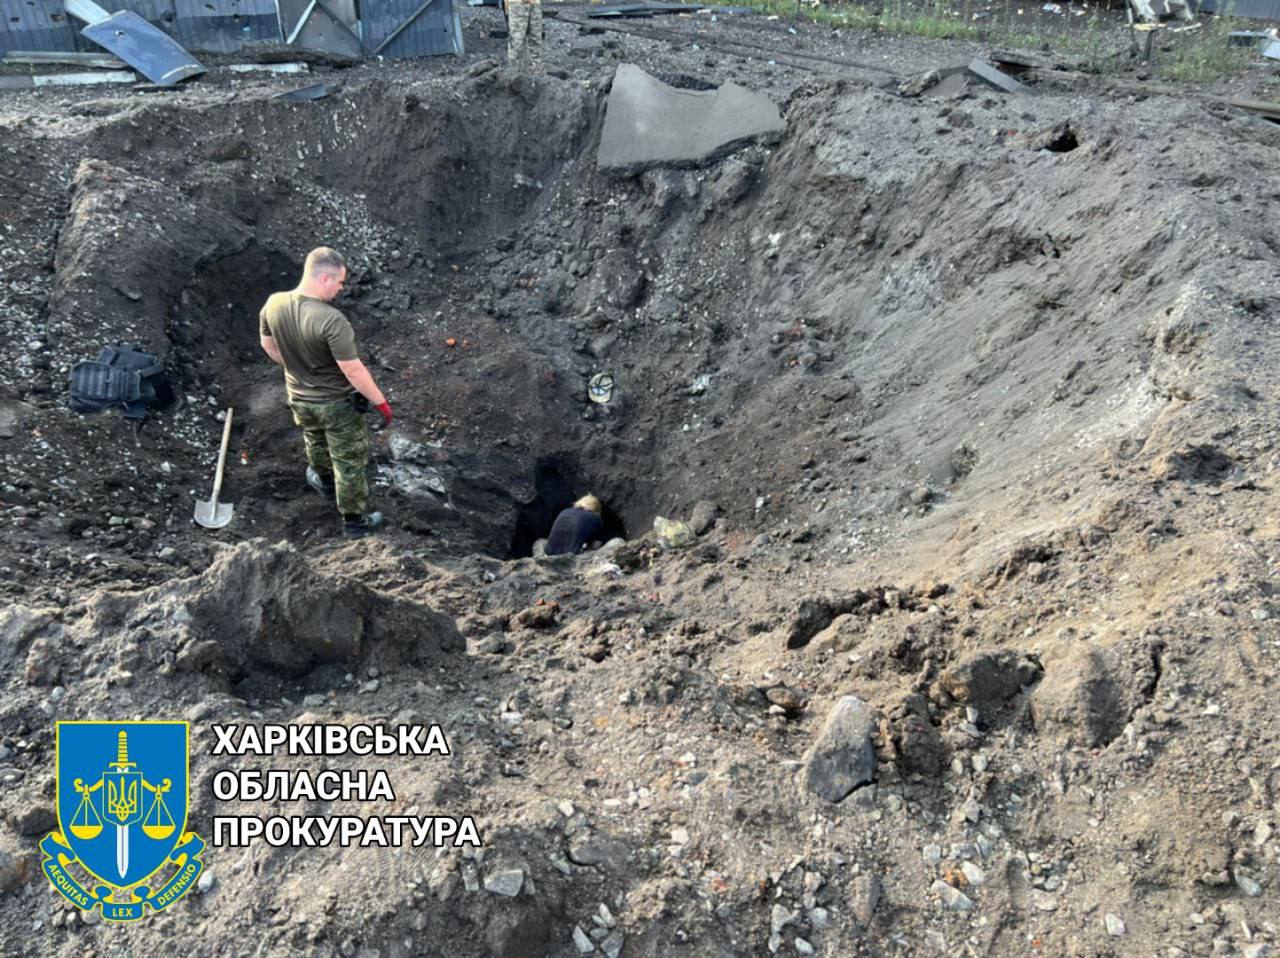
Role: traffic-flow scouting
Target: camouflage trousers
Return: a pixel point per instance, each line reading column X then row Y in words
column 337, row 441
column 524, row 33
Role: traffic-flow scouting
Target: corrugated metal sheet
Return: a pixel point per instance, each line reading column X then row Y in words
column 143, row 46
column 36, row 25
column 225, row 26
column 307, row 27
column 1252, row 9
column 414, row 28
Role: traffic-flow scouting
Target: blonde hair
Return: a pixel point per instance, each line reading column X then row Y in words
column 324, row 259
column 590, row 503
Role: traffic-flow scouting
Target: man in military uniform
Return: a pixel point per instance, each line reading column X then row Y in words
column 315, row 344
column 524, row 33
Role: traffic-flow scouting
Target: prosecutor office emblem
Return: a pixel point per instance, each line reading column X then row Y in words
column 122, row 843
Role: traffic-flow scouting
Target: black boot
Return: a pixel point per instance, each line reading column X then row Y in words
column 355, row 526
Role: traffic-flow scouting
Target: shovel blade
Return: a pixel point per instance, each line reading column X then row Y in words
column 213, row 514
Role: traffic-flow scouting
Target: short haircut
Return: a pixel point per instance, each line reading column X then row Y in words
column 324, row 259
column 590, row 503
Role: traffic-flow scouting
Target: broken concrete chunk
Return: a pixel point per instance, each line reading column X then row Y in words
column 842, row 758
column 648, row 123
column 1001, row 81
column 505, row 881
column 953, row 899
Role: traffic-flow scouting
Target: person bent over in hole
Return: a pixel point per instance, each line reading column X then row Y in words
column 315, row 344
column 576, row 527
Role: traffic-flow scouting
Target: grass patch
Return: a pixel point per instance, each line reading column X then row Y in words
column 1100, row 43
column 1203, row 55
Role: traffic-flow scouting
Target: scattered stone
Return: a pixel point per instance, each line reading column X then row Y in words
column 973, row 874
column 986, row 680
column 1114, row 925
column 535, row 617
column 787, row 698
column 206, row 882
column 1248, row 885
column 780, row 917
column 864, row 896
column 15, row 870
column 703, row 517
column 612, row 945
column 803, row 947
column 584, row 944
column 506, row 881
column 599, row 851
column 842, row 758
column 953, row 899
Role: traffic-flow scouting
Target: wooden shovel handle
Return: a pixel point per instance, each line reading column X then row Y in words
column 222, row 456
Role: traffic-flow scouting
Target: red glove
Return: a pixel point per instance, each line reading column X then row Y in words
column 385, row 408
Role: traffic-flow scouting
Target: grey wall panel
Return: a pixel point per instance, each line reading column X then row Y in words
column 1253, row 9
column 433, row 33
column 225, row 26
column 36, row 25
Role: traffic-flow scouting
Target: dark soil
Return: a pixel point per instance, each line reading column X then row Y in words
column 983, row 390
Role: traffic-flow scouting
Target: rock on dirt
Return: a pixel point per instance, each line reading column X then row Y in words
column 842, row 758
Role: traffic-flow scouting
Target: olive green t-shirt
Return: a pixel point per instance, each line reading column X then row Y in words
column 312, row 337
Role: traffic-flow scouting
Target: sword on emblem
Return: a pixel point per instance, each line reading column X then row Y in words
column 122, row 799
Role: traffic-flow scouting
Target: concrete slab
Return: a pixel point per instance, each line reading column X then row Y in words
column 955, row 85
column 1001, row 81
column 648, row 123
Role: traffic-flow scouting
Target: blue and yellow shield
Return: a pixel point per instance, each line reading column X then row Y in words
column 123, row 791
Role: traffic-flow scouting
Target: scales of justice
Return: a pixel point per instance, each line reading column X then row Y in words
column 119, row 792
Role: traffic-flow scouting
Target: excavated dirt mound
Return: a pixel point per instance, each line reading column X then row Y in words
column 983, row 391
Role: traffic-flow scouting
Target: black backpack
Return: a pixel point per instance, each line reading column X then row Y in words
column 122, row 375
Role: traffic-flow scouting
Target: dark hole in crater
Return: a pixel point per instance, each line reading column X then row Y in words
column 1064, row 142
column 557, row 485
column 215, row 324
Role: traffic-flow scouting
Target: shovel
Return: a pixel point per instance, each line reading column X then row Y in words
column 214, row 514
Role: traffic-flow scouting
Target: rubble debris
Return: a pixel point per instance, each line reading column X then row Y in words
column 1154, row 11
column 316, row 91
column 1088, row 693
column 674, row 533
column 291, row 67
column 987, row 680
column 61, row 58
column 842, row 758
column 647, row 8
column 1001, row 81
column 1266, row 110
column 1244, row 9
column 1252, row 38
column 648, row 123
column 67, row 79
